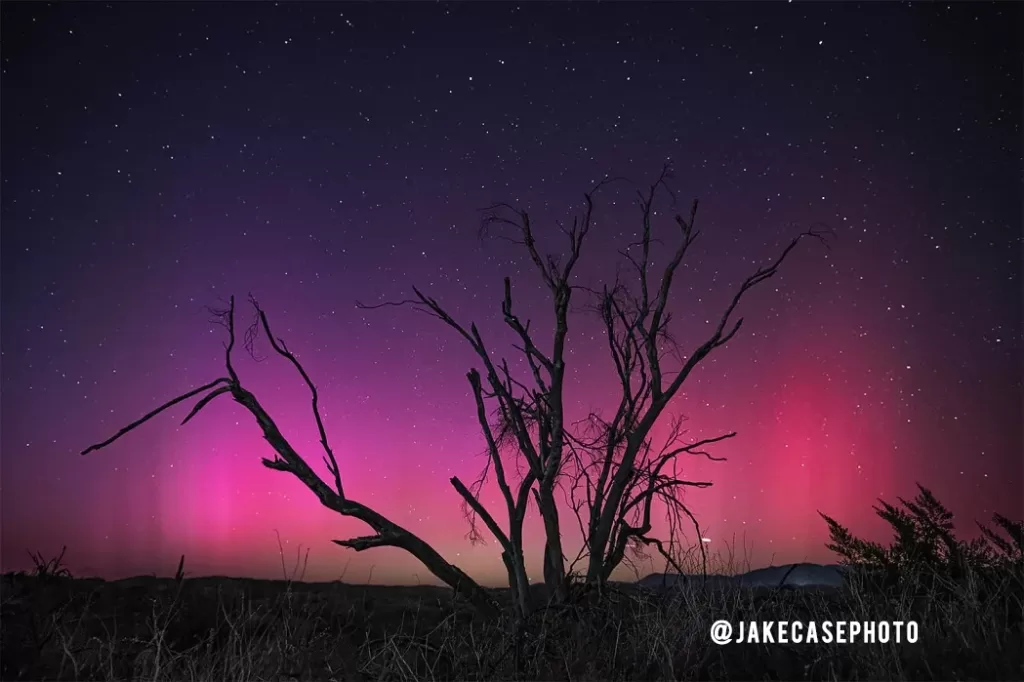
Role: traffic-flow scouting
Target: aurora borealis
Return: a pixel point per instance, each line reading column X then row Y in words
column 158, row 158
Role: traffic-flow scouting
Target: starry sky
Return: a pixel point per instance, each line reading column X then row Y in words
column 158, row 158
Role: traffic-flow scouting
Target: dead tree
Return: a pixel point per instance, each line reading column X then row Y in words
column 530, row 413
column 657, row 480
column 616, row 471
column 619, row 478
column 331, row 495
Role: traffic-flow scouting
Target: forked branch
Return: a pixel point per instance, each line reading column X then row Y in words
column 169, row 404
column 287, row 459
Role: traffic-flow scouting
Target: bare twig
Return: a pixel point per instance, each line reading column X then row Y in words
column 153, row 413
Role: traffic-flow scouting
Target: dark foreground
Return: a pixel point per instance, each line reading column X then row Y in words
column 58, row 628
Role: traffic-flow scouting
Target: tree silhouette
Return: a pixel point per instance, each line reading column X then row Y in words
column 619, row 471
column 530, row 414
column 615, row 472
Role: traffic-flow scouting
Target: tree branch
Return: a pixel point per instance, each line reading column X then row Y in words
column 281, row 349
column 149, row 415
column 287, row 459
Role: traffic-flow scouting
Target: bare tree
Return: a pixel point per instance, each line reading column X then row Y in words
column 331, row 495
column 617, row 474
column 657, row 479
column 530, row 413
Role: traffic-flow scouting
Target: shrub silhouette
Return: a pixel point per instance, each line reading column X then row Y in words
column 49, row 568
column 927, row 559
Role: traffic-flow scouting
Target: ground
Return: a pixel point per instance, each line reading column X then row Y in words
column 223, row 628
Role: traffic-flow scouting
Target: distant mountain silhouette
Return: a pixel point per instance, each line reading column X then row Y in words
column 794, row 575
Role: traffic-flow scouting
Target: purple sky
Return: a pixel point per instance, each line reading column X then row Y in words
column 158, row 158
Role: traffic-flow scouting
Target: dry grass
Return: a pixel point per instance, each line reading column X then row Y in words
column 58, row 628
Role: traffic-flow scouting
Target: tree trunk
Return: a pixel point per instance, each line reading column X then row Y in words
column 518, row 583
column 554, row 561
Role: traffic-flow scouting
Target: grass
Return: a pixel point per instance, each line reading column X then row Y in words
column 55, row 627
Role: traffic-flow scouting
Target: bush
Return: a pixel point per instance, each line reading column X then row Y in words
column 926, row 557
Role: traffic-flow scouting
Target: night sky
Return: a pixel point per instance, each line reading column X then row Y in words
column 158, row 158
